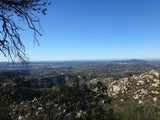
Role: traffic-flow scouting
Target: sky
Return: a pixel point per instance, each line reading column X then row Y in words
column 96, row 30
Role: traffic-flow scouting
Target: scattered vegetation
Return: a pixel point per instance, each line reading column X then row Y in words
column 82, row 94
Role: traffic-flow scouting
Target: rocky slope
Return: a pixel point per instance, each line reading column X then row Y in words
column 144, row 88
column 75, row 101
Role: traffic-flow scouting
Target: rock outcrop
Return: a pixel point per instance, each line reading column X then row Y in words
column 142, row 88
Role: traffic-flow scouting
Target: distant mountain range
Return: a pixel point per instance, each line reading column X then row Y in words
column 135, row 61
column 89, row 61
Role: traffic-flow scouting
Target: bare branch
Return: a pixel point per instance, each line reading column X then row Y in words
column 10, row 42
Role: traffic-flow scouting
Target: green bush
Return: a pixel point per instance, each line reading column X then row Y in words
column 138, row 112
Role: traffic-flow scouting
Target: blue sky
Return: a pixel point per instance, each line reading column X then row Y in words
column 97, row 29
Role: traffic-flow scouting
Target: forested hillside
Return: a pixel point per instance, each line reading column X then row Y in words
column 107, row 91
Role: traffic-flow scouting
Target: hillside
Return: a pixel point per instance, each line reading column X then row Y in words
column 99, row 99
column 142, row 88
column 94, row 90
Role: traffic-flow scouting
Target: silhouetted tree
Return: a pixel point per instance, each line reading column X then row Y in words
column 10, row 10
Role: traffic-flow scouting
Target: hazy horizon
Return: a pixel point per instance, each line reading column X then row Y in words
column 90, row 60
